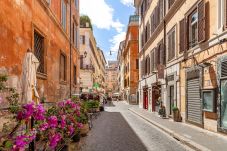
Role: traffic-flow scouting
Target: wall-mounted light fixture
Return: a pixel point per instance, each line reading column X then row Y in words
column 84, row 56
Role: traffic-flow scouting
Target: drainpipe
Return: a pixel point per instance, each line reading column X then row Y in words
column 164, row 41
column 70, row 49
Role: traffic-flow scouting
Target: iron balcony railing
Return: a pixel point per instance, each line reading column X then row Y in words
column 87, row 67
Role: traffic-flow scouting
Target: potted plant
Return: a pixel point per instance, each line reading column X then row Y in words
column 176, row 114
column 84, row 120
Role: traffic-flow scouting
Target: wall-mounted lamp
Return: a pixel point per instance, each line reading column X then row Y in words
column 84, row 56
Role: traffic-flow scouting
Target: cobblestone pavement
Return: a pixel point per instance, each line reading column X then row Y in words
column 117, row 129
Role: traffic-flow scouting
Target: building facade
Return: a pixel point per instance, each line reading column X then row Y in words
column 92, row 62
column 120, row 60
column 111, row 78
column 183, row 59
column 44, row 27
column 129, row 59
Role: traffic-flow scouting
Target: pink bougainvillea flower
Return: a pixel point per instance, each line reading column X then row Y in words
column 39, row 113
column 20, row 142
column 54, row 140
column 28, row 110
column 78, row 113
column 20, row 115
column 32, row 135
column 71, row 129
column 43, row 127
column 61, row 104
column 63, row 123
column 79, row 125
column 53, row 121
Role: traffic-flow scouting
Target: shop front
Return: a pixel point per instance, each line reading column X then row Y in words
column 145, row 97
column 222, row 107
column 156, row 97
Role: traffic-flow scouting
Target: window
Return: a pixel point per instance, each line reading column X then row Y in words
column 82, row 39
column 81, row 61
column 156, row 16
column 63, row 14
column 208, row 97
column 75, row 35
column 75, row 75
column 193, row 29
column 39, row 51
column 137, row 63
column 76, row 4
column 171, row 44
column 63, row 67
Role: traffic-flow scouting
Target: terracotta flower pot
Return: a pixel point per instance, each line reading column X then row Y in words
column 84, row 130
column 176, row 116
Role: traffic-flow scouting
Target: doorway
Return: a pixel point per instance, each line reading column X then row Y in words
column 156, row 95
column 171, row 92
column 145, row 98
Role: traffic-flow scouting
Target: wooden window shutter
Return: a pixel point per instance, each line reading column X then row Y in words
column 141, row 39
column 155, row 58
column 182, row 36
column 169, row 47
column 148, row 65
column 148, row 32
column 173, row 44
column 152, row 61
column 158, row 13
column 201, row 21
column 143, row 66
column 158, row 54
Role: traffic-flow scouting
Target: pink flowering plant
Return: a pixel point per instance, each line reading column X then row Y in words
column 61, row 124
column 20, row 137
column 55, row 126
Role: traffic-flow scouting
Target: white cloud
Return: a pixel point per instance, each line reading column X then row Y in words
column 115, row 41
column 127, row 2
column 101, row 14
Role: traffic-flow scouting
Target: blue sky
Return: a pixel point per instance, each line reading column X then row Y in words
column 110, row 20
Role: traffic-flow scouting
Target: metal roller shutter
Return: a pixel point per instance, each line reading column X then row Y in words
column 194, row 105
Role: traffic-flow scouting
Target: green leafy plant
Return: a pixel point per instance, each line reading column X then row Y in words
column 175, row 108
column 85, row 19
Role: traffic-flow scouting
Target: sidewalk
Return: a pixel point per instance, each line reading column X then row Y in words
column 196, row 138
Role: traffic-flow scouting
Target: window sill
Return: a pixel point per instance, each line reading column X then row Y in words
column 42, row 76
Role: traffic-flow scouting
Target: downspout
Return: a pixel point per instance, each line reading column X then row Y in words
column 70, row 49
column 164, row 41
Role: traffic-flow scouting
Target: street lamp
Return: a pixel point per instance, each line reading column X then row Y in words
column 84, row 56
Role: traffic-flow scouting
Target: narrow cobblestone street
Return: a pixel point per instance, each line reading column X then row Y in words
column 118, row 129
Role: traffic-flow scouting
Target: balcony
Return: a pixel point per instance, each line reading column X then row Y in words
column 87, row 67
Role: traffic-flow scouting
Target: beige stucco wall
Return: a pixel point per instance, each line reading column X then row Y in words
column 206, row 51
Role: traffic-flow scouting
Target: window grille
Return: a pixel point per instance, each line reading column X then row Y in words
column 39, row 51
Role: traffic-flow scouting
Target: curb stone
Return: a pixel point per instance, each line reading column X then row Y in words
column 183, row 140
